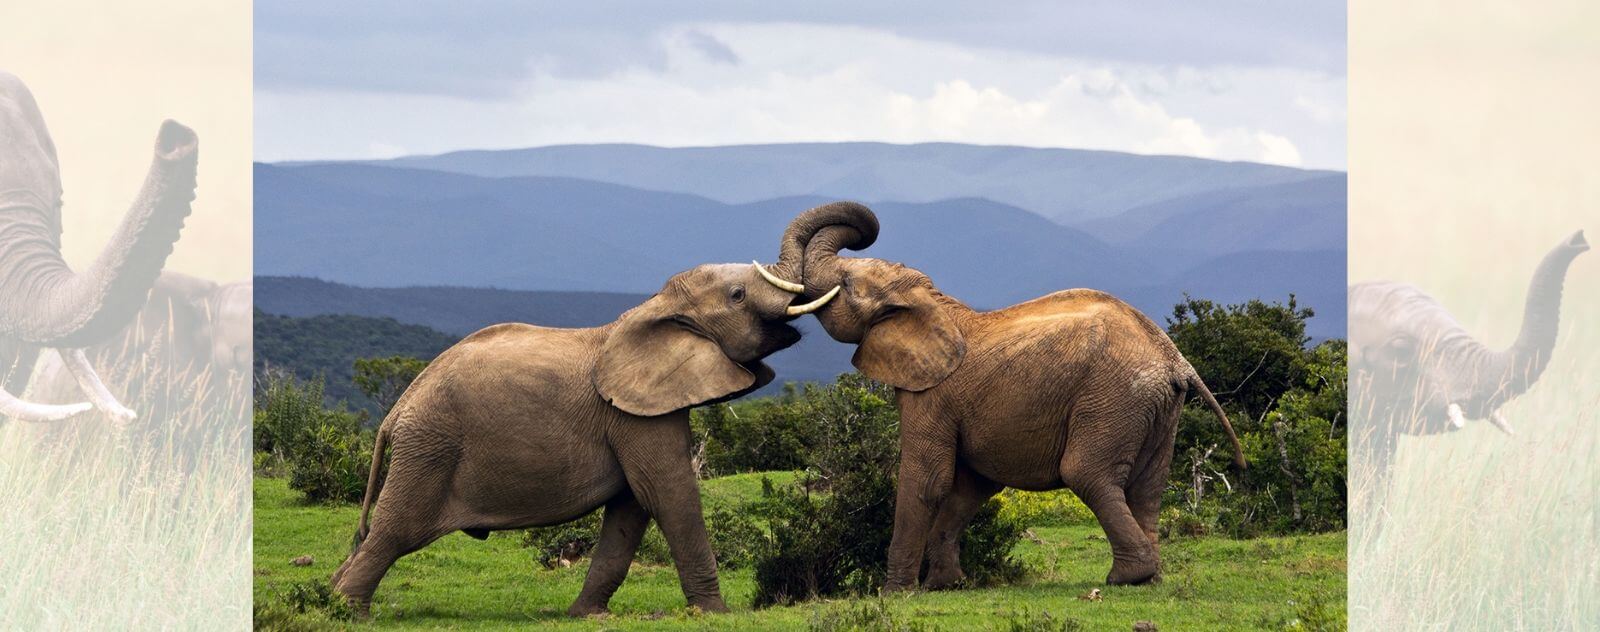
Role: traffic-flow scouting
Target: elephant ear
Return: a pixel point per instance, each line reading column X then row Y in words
column 652, row 364
column 911, row 347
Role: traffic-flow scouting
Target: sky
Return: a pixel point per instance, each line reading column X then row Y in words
column 1253, row 81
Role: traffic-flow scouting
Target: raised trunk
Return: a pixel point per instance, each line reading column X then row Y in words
column 858, row 226
column 46, row 303
column 1512, row 371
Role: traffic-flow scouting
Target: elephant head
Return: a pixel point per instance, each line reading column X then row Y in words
column 1413, row 365
column 44, row 303
column 906, row 337
column 698, row 340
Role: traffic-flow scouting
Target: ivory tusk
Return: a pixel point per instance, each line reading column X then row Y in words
column 787, row 286
column 20, row 410
column 1456, row 418
column 798, row 310
column 1500, row 422
column 78, row 365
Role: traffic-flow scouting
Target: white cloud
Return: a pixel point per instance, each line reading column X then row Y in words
column 784, row 83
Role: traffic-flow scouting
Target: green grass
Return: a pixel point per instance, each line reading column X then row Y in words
column 461, row 583
column 143, row 527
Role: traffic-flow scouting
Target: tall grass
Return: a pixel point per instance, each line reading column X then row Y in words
column 139, row 527
column 1465, row 132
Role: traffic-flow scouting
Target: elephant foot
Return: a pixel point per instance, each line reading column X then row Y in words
column 1130, row 572
column 713, row 605
column 580, row 609
column 942, row 579
column 893, row 586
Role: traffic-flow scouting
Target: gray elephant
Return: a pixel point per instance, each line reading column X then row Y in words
column 519, row 426
column 189, row 329
column 43, row 303
column 1415, row 371
column 1076, row 389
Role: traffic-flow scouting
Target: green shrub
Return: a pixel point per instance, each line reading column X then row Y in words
column 1056, row 508
column 324, row 452
column 734, row 536
column 829, row 533
column 753, row 436
column 309, row 605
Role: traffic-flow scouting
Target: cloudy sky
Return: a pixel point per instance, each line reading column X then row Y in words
column 1256, row 81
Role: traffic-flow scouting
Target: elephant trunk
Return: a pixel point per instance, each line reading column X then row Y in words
column 856, row 226
column 1515, row 369
column 46, row 303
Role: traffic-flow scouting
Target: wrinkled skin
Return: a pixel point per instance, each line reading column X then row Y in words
column 1410, row 361
column 1076, row 389
column 188, row 327
column 44, row 305
column 520, row 426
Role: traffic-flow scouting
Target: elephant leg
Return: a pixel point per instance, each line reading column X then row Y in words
column 1151, row 471
column 410, row 514
column 968, row 493
column 655, row 459
column 620, row 533
column 927, row 473
column 1097, row 468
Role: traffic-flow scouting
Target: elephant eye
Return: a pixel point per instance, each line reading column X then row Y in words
column 737, row 294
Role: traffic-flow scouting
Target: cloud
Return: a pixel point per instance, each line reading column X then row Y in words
column 729, row 83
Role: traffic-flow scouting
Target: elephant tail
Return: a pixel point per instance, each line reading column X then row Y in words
column 374, row 483
column 1216, row 409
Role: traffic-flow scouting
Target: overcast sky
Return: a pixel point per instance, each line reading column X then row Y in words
column 1258, row 81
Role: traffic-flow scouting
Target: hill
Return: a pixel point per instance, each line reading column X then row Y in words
column 329, row 345
column 1065, row 185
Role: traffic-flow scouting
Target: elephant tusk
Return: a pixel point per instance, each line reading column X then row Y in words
column 787, row 286
column 800, row 310
column 20, row 410
column 1500, row 422
column 1456, row 418
column 78, row 365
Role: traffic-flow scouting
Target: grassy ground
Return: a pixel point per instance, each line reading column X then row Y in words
column 1467, row 176
column 461, row 583
column 130, row 528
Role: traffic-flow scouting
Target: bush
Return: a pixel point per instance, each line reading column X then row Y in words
column 324, row 452
column 734, row 535
column 1286, row 400
column 308, row 605
column 829, row 533
column 1056, row 508
column 753, row 436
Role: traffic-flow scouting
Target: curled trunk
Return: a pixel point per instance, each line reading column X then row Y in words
column 44, row 302
column 1511, row 372
column 838, row 225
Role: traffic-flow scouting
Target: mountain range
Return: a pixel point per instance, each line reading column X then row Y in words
column 574, row 235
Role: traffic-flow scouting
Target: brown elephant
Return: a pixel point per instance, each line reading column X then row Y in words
column 191, row 332
column 43, row 303
column 1415, row 371
column 519, row 426
column 1076, row 389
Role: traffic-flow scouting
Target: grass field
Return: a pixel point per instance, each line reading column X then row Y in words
column 463, row 584
column 1468, row 176
column 143, row 527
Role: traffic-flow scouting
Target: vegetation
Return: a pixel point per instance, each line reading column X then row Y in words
column 328, row 347
column 1211, row 582
column 800, row 491
column 1286, row 400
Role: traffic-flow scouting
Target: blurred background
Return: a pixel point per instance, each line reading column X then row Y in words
column 144, row 525
column 1471, row 134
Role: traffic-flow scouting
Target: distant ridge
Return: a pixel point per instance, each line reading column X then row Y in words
column 1064, row 185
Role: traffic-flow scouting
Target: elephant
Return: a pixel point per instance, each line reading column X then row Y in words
column 520, row 426
column 45, row 304
column 1076, row 389
column 1415, row 371
column 188, row 327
